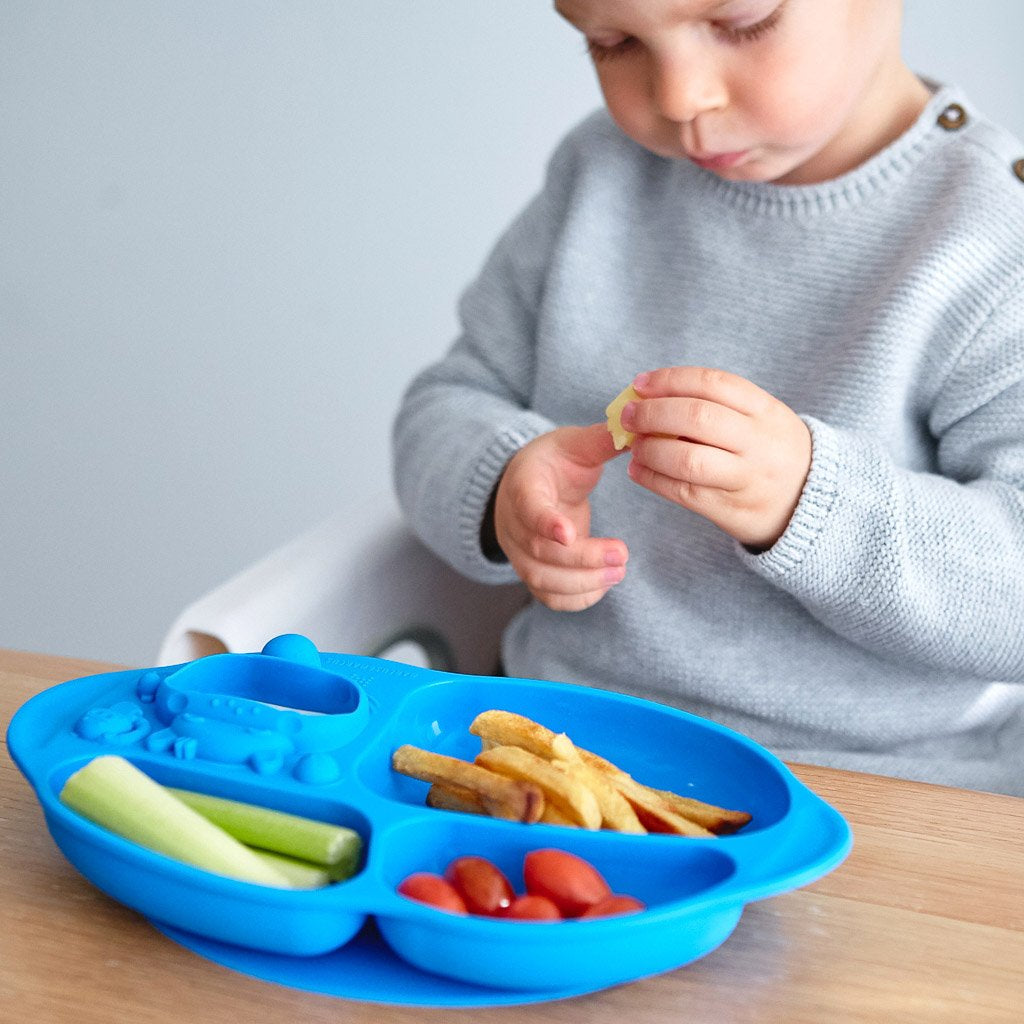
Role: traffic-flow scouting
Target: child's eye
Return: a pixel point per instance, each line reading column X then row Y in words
column 610, row 51
column 748, row 33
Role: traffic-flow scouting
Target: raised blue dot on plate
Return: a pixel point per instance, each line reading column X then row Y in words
column 293, row 647
column 317, row 769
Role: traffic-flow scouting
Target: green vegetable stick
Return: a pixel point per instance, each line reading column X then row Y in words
column 112, row 792
column 318, row 841
column 346, row 866
column 300, row 873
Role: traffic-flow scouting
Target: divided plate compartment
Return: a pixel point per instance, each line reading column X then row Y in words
column 313, row 734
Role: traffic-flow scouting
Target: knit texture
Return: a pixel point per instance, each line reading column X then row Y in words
column 884, row 631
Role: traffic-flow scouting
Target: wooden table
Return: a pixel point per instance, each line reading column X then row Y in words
column 924, row 922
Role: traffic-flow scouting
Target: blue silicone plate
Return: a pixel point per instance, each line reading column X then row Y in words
column 313, row 734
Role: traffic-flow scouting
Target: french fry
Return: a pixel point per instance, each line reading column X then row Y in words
column 551, row 816
column 454, row 798
column 565, row 794
column 719, row 820
column 616, row 812
column 501, row 797
column 716, row 819
column 655, row 814
column 605, row 767
column 558, row 783
column 506, row 729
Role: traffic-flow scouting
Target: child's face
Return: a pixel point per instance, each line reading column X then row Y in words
column 791, row 91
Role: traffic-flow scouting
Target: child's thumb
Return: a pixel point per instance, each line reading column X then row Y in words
column 589, row 446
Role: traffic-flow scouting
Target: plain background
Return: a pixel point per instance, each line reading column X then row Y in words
column 230, row 233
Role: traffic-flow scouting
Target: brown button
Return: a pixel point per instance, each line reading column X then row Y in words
column 1018, row 168
column 953, row 117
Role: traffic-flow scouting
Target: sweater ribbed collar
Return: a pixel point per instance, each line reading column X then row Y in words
column 882, row 172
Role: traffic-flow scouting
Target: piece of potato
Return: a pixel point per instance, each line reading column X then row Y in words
column 565, row 794
column 617, row 813
column 716, row 819
column 507, row 729
column 656, row 816
column 454, row 798
column 559, row 782
column 621, row 437
column 551, row 816
column 502, row 797
column 654, row 813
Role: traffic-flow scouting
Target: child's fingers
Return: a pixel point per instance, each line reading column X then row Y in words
column 696, row 497
column 555, row 581
column 590, row 446
column 586, row 553
column 684, row 462
column 719, row 386
column 571, row 603
column 696, row 419
column 536, row 513
column 592, row 564
column 551, row 525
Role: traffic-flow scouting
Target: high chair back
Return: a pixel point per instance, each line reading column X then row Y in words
column 358, row 583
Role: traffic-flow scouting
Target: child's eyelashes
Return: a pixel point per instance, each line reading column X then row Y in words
column 601, row 51
column 604, row 51
column 750, row 33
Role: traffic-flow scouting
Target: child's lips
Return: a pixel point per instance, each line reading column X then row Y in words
column 718, row 161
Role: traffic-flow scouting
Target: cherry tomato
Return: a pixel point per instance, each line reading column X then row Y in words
column 532, row 908
column 434, row 890
column 570, row 882
column 481, row 884
column 613, row 905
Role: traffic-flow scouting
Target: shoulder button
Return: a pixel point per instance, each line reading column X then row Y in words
column 953, row 117
column 1018, row 168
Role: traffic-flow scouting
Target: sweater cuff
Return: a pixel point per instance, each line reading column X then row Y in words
column 812, row 510
column 477, row 493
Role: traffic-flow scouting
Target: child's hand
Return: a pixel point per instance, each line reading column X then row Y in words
column 734, row 454
column 542, row 518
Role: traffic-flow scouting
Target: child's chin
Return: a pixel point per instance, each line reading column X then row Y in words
column 754, row 172
column 765, row 173
column 756, row 168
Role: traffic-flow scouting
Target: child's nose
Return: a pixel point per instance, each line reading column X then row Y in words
column 687, row 87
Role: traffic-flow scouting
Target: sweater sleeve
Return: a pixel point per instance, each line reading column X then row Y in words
column 464, row 417
column 923, row 566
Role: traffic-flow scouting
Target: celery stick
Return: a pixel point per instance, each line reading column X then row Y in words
column 316, row 841
column 301, row 873
column 113, row 793
column 346, row 865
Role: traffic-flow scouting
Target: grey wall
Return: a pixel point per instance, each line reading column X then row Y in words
column 230, row 232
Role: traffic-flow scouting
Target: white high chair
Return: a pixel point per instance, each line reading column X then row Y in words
column 358, row 583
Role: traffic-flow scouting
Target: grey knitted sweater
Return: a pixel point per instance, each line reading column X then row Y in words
column 884, row 631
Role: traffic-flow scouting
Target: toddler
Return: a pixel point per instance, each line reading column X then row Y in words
column 810, row 261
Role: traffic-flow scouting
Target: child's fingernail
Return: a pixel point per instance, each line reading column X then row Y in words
column 628, row 415
column 614, row 557
column 613, row 575
column 641, row 380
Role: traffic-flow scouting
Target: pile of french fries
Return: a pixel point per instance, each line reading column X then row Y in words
column 525, row 772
